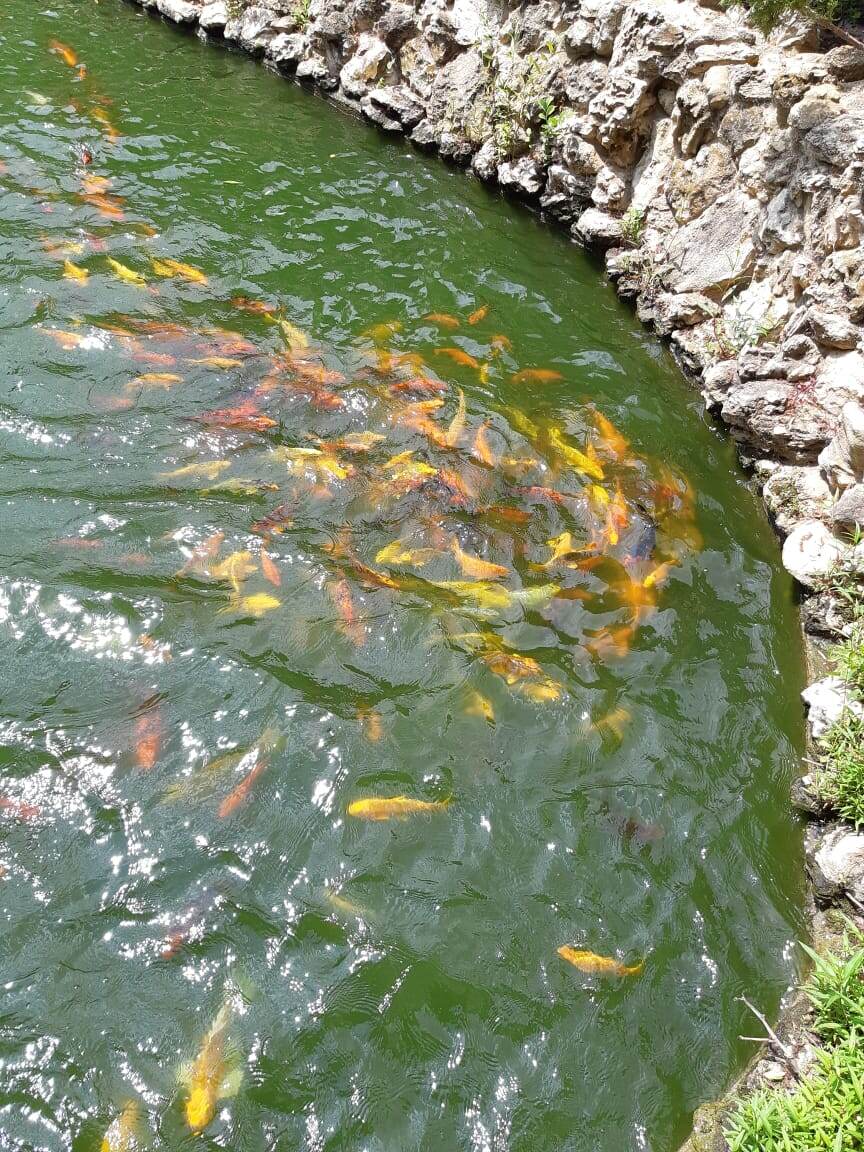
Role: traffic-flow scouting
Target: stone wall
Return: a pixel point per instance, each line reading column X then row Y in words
column 721, row 173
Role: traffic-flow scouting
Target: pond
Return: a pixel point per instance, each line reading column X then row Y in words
column 400, row 695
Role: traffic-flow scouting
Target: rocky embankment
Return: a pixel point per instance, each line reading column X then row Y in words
column 723, row 176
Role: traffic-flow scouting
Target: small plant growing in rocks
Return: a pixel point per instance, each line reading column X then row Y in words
column 633, row 225
column 301, row 13
column 768, row 14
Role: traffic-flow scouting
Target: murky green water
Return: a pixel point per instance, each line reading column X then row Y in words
column 241, row 592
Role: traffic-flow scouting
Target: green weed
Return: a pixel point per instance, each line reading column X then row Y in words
column 825, row 1112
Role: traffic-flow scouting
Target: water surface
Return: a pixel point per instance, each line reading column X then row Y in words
column 211, row 649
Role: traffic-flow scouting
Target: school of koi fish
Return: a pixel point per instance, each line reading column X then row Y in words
column 404, row 482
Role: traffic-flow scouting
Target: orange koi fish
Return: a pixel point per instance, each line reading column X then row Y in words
column 223, row 362
column 256, row 307
column 479, row 314
column 421, row 385
column 462, row 493
column 538, row 492
column 442, row 319
column 370, row 722
column 18, row 810
column 598, row 965
column 611, row 438
column 536, row 376
column 349, row 625
column 239, row 794
column 106, row 205
column 394, row 807
column 458, row 356
column 269, row 570
column 148, row 739
column 95, row 185
column 500, row 343
column 274, row 523
column 66, row 54
column 245, row 417
column 482, row 449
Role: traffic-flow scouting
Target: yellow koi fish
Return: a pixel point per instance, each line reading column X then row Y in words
column 480, row 705
column 156, row 380
column 235, row 569
column 217, row 362
column 125, row 273
column 542, row 692
column 75, row 272
column 475, row 568
column 258, row 604
column 294, row 338
column 176, row 268
column 394, row 807
column 211, row 1077
column 576, row 459
column 598, row 965
column 483, row 594
column 381, row 333
column 457, row 424
column 479, row 314
column 209, row 469
column 122, row 1134
column 396, row 553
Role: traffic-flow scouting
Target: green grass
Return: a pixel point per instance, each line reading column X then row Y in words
column 826, row 1109
column 841, row 776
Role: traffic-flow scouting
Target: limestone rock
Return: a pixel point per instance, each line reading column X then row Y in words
column 213, row 16
column 716, row 250
column 180, row 11
column 564, row 195
column 485, row 162
column 691, row 117
column 741, row 127
column 793, row 493
column 397, row 26
column 847, row 515
column 598, row 228
column 522, row 176
column 827, row 700
column 395, row 104
column 286, row 50
column 681, row 310
column 837, row 141
column 849, row 442
column 811, row 552
column 845, row 63
column 838, row 862
column 368, row 63
column 832, row 330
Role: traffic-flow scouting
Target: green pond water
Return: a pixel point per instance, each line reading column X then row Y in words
column 253, row 578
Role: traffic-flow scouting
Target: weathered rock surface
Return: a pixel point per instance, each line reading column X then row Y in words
column 826, row 701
